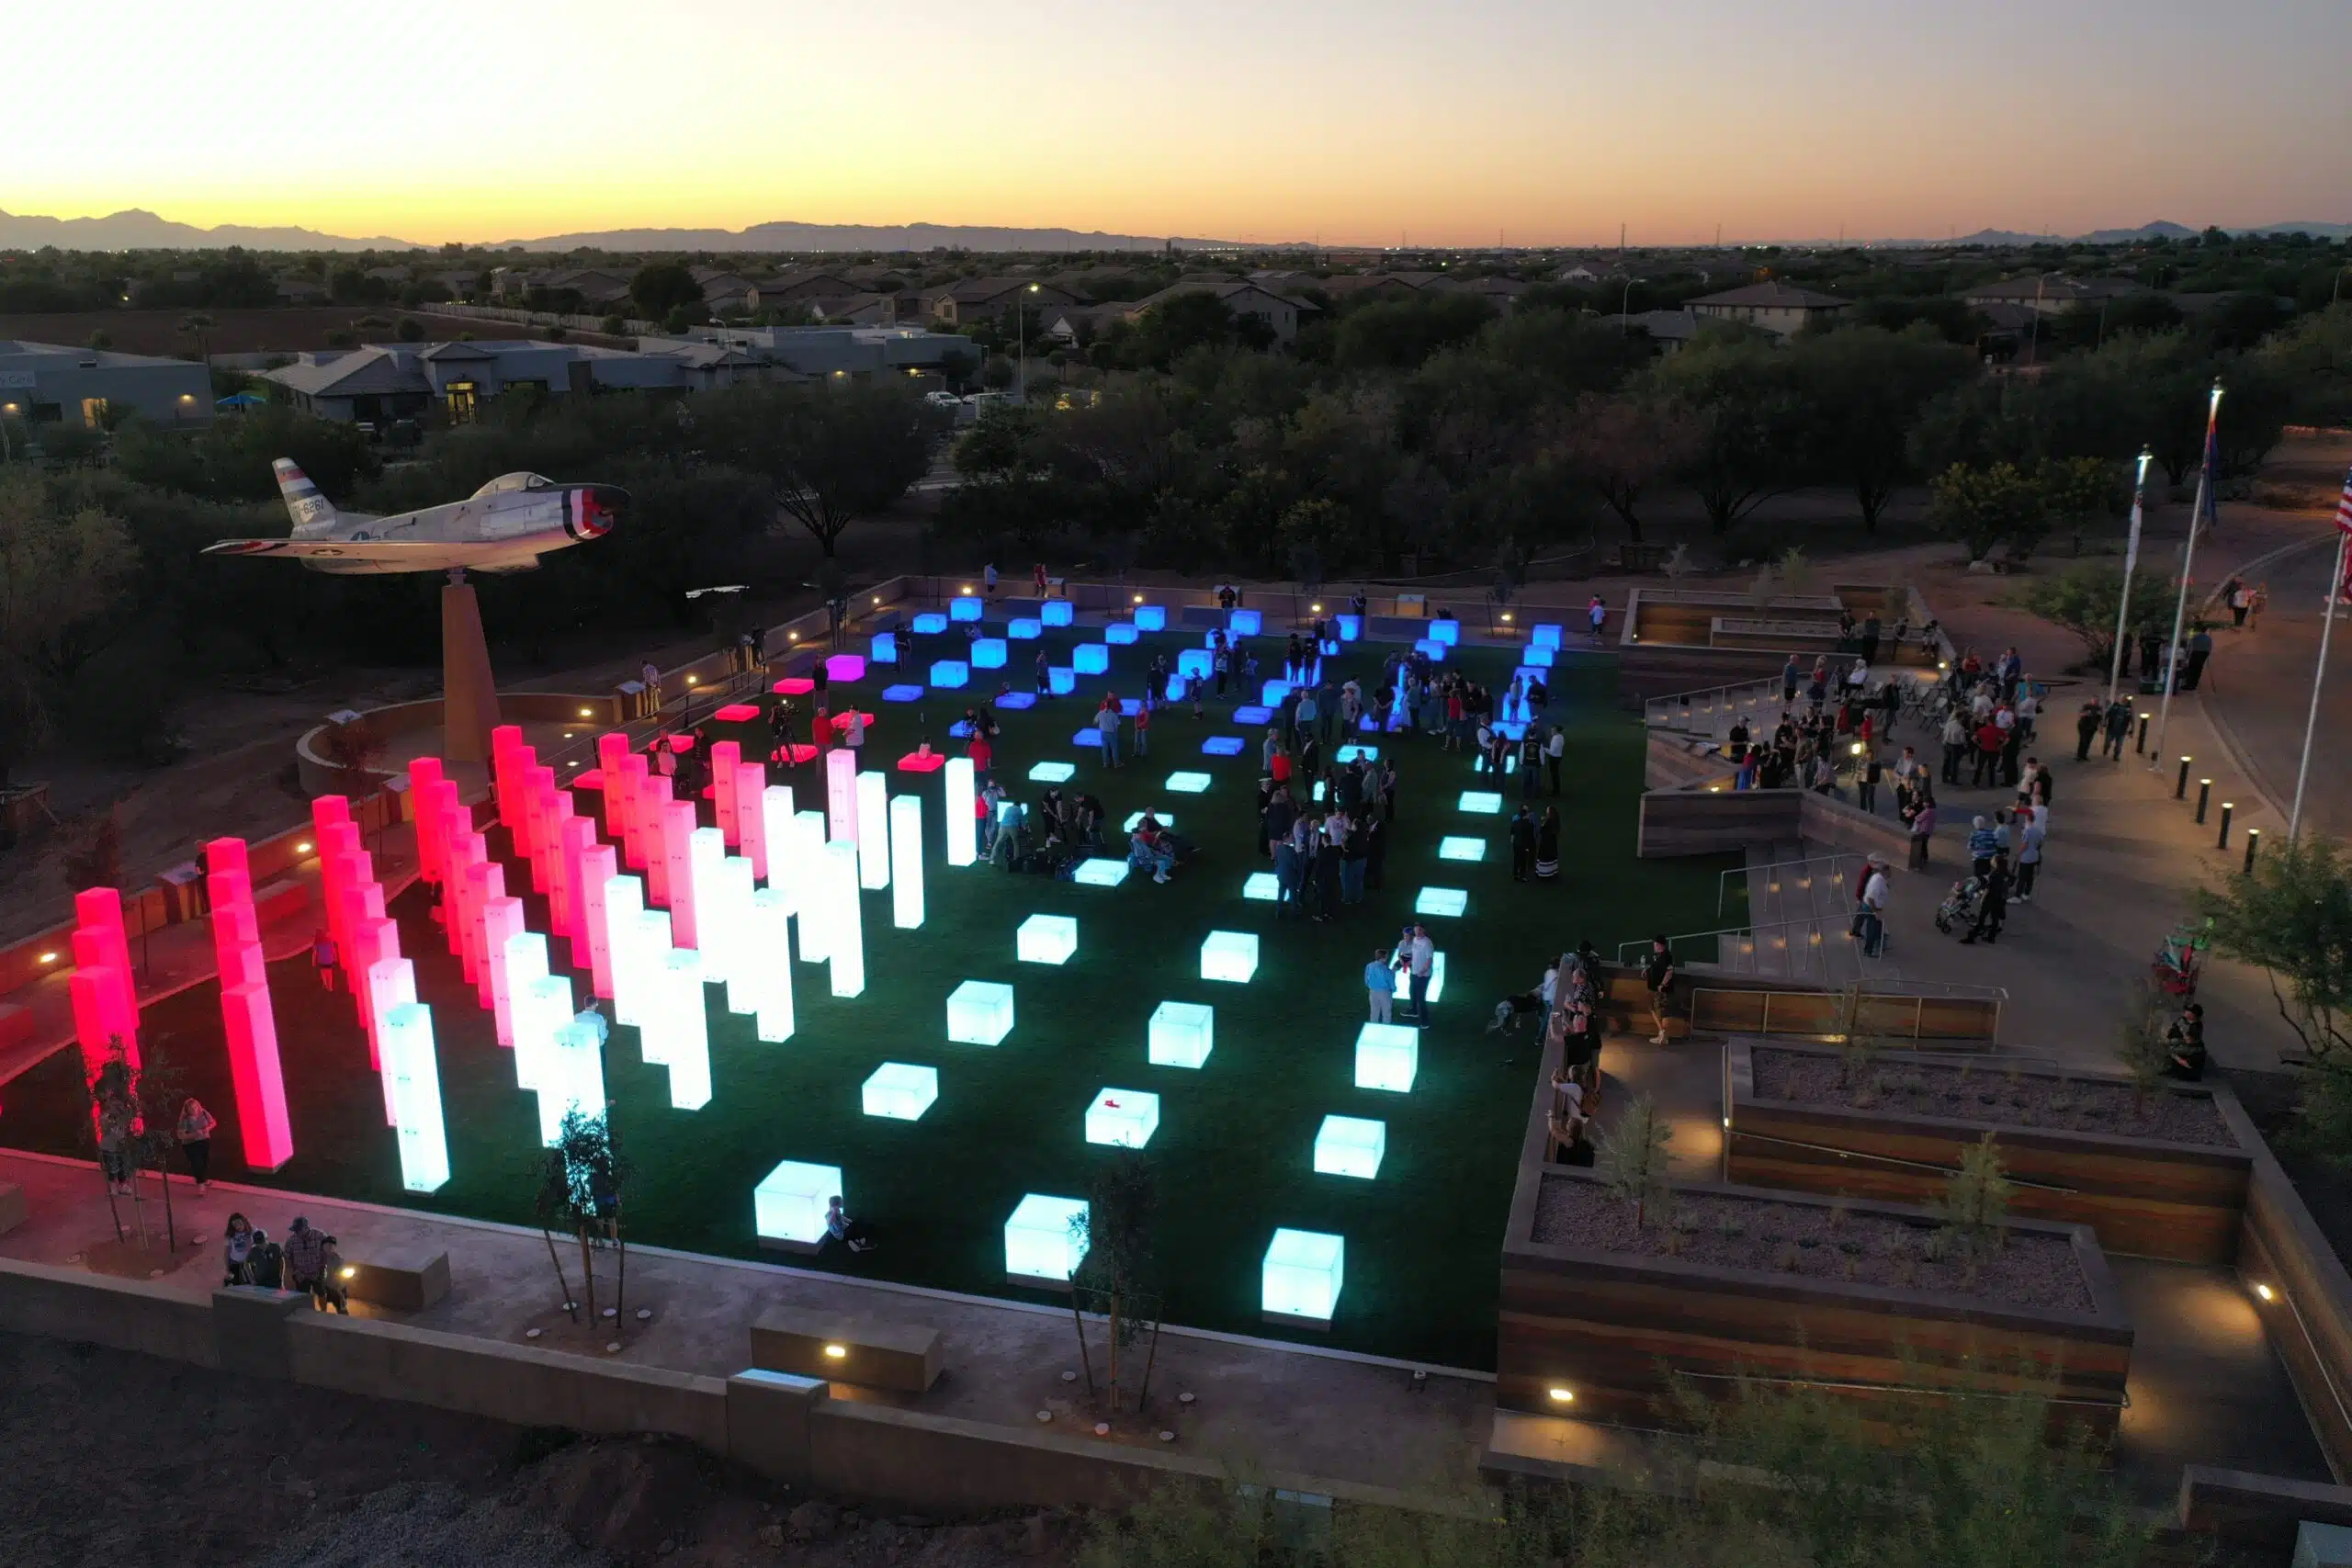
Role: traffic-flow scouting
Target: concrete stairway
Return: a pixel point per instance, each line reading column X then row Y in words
column 1798, row 912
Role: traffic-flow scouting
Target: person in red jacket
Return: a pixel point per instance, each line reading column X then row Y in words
column 1990, row 739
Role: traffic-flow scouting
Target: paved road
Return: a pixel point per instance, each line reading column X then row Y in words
column 2259, row 682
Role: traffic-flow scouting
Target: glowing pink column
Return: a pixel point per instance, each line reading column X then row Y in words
column 500, row 919
column 485, row 880
column 751, row 815
column 611, row 747
column 248, row 1023
column 654, row 828
column 637, row 801
column 726, row 756
column 677, row 834
column 598, row 865
column 423, row 773
column 579, row 838
column 539, row 807
column 505, row 742
column 393, row 982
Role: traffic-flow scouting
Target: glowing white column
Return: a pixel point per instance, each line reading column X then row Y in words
column 578, row 1064
column 808, row 891
column 775, row 823
column 841, row 796
column 772, row 939
column 550, row 1007
column 526, row 964
column 873, row 830
column 624, row 910
column 391, row 982
column 963, row 847
column 906, row 862
column 689, row 1042
column 732, row 934
column 706, row 852
column 843, row 921
column 656, row 1027
column 407, row 1043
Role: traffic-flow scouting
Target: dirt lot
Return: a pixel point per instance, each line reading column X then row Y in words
column 112, row 1457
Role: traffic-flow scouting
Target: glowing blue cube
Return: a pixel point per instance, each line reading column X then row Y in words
column 1244, row 623
column 1221, row 746
column 951, row 672
column 1060, row 680
column 1319, row 789
column 1303, row 1273
column 1429, row 647
column 979, row 1012
column 1126, row 1117
column 1263, row 888
column 1355, row 749
column 960, row 730
column 1090, row 658
column 1231, row 956
column 885, row 648
column 1044, row 1239
column 901, row 1090
column 1052, row 773
column 1100, row 872
column 1451, row 848
column 1024, row 628
column 1057, row 612
column 964, row 609
column 1253, row 714
column 1483, row 802
column 931, row 623
column 902, row 693
column 1187, row 784
column 1120, row 634
column 1183, row 1034
column 1198, row 663
column 1090, row 736
column 1445, row 631
column 1350, row 1146
column 1351, row 628
column 1163, row 818
column 1541, row 657
column 1544, row 634
column 1130, row 706
column 1016, row 702
column 1447, row 901
column 1046, row 939
column 1151, row 617
column 788, row 1205
column 1328, row 647
column 1513, row 730
column 988, row 653
column 1388, row 1056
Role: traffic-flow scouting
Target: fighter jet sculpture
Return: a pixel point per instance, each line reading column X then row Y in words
column 506, row 525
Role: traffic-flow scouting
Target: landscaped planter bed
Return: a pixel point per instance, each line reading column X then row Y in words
column 2159, row 1175
column 1743, row 1282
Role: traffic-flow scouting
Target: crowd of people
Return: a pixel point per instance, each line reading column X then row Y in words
column 307, row 1261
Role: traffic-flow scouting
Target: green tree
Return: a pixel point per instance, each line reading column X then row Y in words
column 2313, row 357
column 1988, row 506
column 1119, row 1270
column 2291, row 916
column 2087, row 597
column 1753, row 433
column 63, row 569
column 831, row 455
column 579, row 1192
column 1621, row 444
column 661, row 288
column 1975, row 1203
column 1865, row 389
column 1633, row 1155
column 1400, row 335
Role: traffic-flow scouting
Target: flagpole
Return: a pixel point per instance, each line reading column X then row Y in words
column 2130, row 562
column 2187, row 557
column 2310, row 721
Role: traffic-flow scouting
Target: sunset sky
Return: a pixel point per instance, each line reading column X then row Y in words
column 1352, row 121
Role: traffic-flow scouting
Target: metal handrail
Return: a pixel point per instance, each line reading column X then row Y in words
column 1725, row 930
column 1683, row 699
column 1723, row 879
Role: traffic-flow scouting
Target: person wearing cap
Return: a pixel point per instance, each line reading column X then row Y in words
column 306, row 1249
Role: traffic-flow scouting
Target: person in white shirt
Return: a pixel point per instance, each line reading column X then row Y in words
column 1869, row 910
column 651, row 677
column 2030, row 835
column 1416, row 956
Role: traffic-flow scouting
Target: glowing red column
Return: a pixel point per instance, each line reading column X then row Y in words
column 611, row 747
column 598, row 865
column 726, row 756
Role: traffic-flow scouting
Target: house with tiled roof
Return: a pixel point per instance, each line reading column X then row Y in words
column 1242, row 296
column 1781, row 309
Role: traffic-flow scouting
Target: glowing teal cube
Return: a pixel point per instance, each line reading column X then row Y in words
column 965, row 609
column 1351, row 628
column 1043, row 1239
column 979, row 1012
column 1303, row 1273
column 951, row 672
column 1023, row 628
column 1542, row 657
column 1090, row 658
column 1388, row 1056
column 1182, row 1034
column 1245, row 623
column 1544, row 634
column 1046, row 939
column 1263, row 888
column 1271, row 693
column 1053, row 772
column 1125, row 1117
column 1429, row 647
column 1437, row 974
column 1119, row 634
column 1197, row 662
column 1447, row 901
column 1100, row 872
column 886, row 648
column 1187, row 784
column 1350, row 1146
column 788, row 1205
column 1446, row 631
column 1230, row 957
column 1057, row 612
column 1452, row 848
column 1483, row 802
column 1151, row 617
column 1353, row 749
column 988, row 653
column 900, row 1092
column 931, row 623
column 1163, row 818
column 1060, row 680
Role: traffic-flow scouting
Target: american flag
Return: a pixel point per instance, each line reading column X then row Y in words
column 2344, row 506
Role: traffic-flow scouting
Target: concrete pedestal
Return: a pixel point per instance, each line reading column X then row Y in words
column 469, row 695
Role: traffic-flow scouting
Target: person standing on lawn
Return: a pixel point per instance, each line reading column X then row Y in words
column 1380, row 986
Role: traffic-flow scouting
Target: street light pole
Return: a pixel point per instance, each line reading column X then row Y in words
column 2130, row 560
column 2187, row 557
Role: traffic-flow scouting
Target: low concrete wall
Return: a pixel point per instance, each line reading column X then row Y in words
column 2256, row 1510
column 321, row 777
column 122, row 1314
column 2308, row 1308
column 942, row 1464
column 1705, row 822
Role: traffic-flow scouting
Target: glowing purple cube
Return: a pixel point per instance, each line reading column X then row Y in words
column 841, row 667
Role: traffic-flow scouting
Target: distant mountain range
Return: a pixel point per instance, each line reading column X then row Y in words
column 136, row 229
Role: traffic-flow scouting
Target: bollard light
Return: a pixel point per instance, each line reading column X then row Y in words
column 2204, row 793
column 2226, row 810
column 2140, row 746
column 2253, row 840
column 2180, row 785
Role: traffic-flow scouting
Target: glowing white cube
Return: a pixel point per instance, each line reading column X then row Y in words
column 988, row 653
column 788, row 1205
column 1350, row 1146
column 1187, row 784
column 1127, row 1117
column 1052, row 773
column 1230, row 955
column 1388, row 1055
column 1451, row 848
column 1046, row 939
column 902, row 1091
column 1352, row 751
column 1303, row 1273
column 1100, row 872
column 1183, row 1034
column 1262, row 887
column 1450, row 902
column 1164, row 818
column 1481, row 801
column 979, row 1012
column 1044, row 1239
column 1437, row 974
column 1090, row 658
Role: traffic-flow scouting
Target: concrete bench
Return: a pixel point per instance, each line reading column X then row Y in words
column 883, row 620
column 850, row 1348
column 281, row 900
column 12, row 1207
column 15, row 1024
column 402, row 1279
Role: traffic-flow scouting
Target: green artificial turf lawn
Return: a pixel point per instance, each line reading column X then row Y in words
column 1235, row 1142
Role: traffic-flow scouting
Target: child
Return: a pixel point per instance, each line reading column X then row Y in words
column 1143, row 727
column 330, row 1290
column 1193, row 690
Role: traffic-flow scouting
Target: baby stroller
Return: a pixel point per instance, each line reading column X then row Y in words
column 2175, row 964
column 1959, row 907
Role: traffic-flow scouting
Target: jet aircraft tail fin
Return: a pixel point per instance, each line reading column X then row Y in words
column 313, row 515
